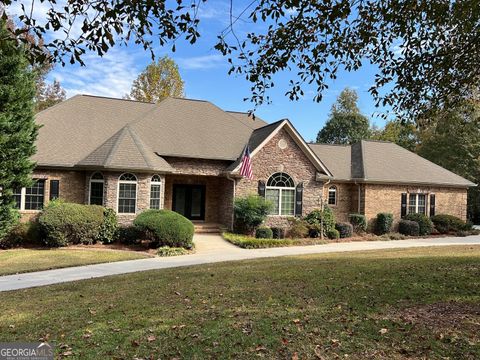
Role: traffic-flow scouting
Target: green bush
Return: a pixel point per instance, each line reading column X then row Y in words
column 409, row 227
column 165, row 227
column 250, row 212
column 129, row 235
column 298, row 228
column 171, row 251
column 446, row 223
column 109, row 228
column 393, row 236
column 66, row 223
column 359, row 222
column 314, row 219
column 248, row 242
column 333, row 234
column 425, row 224
column 264, row 232
column 22, row 234
column 345, row 230
column 383, row 223
column 278, row 233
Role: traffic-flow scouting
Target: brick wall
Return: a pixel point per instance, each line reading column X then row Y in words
column 291, row 160
column 387, row 198
column 72, row 185
column 188, row 166
column 347, row 200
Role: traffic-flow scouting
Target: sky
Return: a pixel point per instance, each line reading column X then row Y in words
column 205, row 73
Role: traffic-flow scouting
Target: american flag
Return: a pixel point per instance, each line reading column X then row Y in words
column 246, row 168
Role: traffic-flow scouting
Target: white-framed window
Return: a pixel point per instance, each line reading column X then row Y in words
column 96, row 192
column 332, row 195
column 155, row 192
column 127, row 194
column 417, row 204
column 31, row 198
column 280, row 190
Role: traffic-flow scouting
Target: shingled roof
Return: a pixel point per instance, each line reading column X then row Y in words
column 384, row 162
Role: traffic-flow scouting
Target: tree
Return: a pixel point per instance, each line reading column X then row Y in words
column 48, row 94
column 157, row 81
column 17, row 127
column 399, row 132
column 345, row 125
column 453, row 141
column 426, row 50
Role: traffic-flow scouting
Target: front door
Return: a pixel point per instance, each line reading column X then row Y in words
column 189, row 200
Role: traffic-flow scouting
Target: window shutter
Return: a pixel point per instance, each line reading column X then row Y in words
column 432, row 204
column 261, row 188
column 403, row 210
column 299, row 199
column 54, row 189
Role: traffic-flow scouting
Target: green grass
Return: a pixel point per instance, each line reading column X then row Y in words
column 26, row 260
column 391, row 304
column 249, row 242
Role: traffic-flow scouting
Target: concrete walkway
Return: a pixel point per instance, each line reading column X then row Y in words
column 210, row 249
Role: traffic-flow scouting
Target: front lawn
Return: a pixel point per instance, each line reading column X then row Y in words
column 391, row 304
column 26, row 260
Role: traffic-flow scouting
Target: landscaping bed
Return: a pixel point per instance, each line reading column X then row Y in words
column 389, row 304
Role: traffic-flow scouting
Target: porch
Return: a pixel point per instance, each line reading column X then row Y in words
column 206, row 200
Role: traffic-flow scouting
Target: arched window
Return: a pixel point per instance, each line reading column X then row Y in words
column 332, row 195
column 96, row 189
column 280, row 190
column 155, row 191
column 127, row 194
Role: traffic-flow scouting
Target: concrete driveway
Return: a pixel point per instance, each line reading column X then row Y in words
column 210, row 249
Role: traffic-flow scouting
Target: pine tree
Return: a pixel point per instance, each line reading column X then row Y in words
column 346, row 124
column 17, row 127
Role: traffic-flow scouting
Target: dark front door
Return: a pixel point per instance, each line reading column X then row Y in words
column 189, row 200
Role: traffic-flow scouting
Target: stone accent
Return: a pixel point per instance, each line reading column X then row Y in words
column 387, row 198
column 72, row 185
column 291, row 160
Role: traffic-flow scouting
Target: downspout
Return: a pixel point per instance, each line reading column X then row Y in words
column 233, row 199
column 359, row 195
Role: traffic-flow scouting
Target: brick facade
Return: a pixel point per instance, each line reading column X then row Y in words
column 291, row 160
column 387, row 198
column 347, row 200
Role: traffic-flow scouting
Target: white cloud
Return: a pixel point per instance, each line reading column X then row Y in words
column 111, row 75
column 201, row 62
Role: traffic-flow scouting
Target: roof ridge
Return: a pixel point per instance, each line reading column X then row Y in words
column 140, row 145
column 326, row 144
column 115, row 145
column 114, row 98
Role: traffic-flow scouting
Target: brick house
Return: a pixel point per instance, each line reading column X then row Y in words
column 185, row 155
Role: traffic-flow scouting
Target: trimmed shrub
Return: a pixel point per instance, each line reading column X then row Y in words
column 278, row 233
column 171, row 251
column 298, row 228
column 333, row 234
column 166, row 228
column 425, row 224
column 359, row 222
column 250, row 212
column 22, row 234
column 445, row 223
column 248, row 242
column 109, row 229
column 66, row 223
column 263, row 232
column 383, row 223
column 314, row 219
column 409, row 227
column 129, row 235
column 345, row 230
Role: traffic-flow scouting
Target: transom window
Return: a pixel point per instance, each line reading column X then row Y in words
column 30, row 198
column 280, row 190
column 417, row 204
column 332, row 195
column 127, row 194
column 155, row 191
column 96, row 189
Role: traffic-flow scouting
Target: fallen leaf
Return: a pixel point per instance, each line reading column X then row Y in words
column 383, row 331
column 295, row 356
column 151, row 338
column 135, row 343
